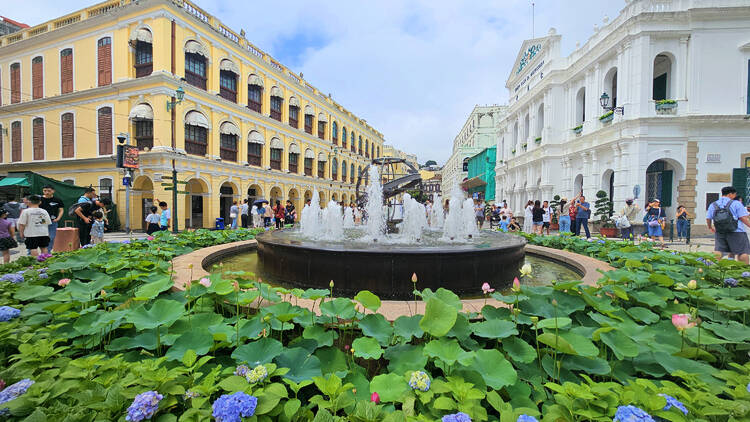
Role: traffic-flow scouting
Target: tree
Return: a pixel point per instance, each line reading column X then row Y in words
column 604, row 209
column 430, row 163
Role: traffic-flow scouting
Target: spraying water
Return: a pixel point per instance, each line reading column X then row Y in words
column 375, row 227
column 415, row 220
column 468, row 222
column 331, row 222
column 437, row 217
column 311, row 219
column 348, row 218
column 452, row 228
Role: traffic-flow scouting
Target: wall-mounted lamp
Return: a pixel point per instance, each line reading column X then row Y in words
column 179, row 94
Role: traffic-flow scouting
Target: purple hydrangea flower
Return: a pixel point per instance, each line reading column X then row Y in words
column 456, row 417
column 673, row 402
column 87, row 246
column 234, row 407
column 43, row 275
column 14, row 278
column 631, row 413
column 526, row 418
column 42, row 270
column 43, row 257
column 241, row 370
column 7, row 313
column 144, row 406
column 13, row 392
column 730, row 282
column 746, row 274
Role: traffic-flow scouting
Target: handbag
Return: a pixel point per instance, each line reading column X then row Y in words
column 233, row 215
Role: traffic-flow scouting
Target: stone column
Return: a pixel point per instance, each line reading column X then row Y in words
column 681, row 76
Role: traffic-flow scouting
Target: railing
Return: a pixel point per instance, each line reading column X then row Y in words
column 195, row 11
column 15, row 38
column 254, row 50
column 228, row 33
column 39, row 30
column 293, row 77
column 276, row 65
column 102, row 9
column 67, row 21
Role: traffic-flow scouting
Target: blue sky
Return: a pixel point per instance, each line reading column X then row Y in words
column 413, row 69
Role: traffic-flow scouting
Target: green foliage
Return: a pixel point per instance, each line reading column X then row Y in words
column 568, row 352
column 603, row 208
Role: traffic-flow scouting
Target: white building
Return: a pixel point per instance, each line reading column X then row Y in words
column 478, row 133
column 695, row 52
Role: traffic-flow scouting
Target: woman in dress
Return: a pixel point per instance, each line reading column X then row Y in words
column 528, row 216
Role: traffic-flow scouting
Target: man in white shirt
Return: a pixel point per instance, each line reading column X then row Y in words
column 244, row 210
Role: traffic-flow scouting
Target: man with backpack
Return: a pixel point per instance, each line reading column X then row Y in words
column 723, row 218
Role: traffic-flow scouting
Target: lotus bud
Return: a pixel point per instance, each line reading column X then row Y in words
column 103, row 293
column 63, row 282
column 516, row 311
column 330, row 284
column 486, row 289
column 554, row 302
column 414, row 277
column 236, row 286
column 676, row 302
column 692, row 285
column 190, row 266
column 700, row 270
column 526, row 270
column 205, row 282
column 354, row 391
column 682, row 321
column 516, row 285
column 375, row 397
column 352, row 350
column 189, row 284
column 346, row 347
column 534, row 319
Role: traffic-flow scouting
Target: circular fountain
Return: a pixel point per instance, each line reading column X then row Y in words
column 443, row 250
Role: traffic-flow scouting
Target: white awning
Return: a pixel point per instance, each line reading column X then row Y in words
column 276, row 143
column 276, row 92
column 229, row 65
column 294, row 148
column 141, row 34
column 309, row 109
column 196, row 48
column 309, row 153
column 141, row 111
column 229, row 128
column 294, row 102
column 322, row 117
column 195, row 118
column 255, row 80
column 322, row 156
column 255, row 137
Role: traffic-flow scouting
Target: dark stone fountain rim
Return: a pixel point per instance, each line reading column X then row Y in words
column 274, row 237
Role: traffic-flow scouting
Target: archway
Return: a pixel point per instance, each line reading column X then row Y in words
column 143, row 192
column 608, row 184
column 662, row 178
column 581, row 106
column 578, row 185
column 294, row 197
column 228, row 192
column 194, row 203
column 610, row 86
column 254, row 192
column 275, row 195
column 662, row 79
column 322, row 199
column 334, row 197
column 307, row 196
column 344, row 199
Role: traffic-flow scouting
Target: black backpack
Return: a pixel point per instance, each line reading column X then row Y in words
column 723, row 219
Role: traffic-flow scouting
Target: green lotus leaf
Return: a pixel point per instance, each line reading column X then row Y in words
column 367, row 348
column 494, row 328
column 438, row 318
column 375, row 325
column 390, row 387
column 407, row 327
column 302, row 365
column 338, row 308
column 163, row 312
column 258, row 352
column 368, row 299
column 200, row 341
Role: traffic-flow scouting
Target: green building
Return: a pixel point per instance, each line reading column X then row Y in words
column 481, row 179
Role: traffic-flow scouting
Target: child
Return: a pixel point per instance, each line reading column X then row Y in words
column 166, row 216
column 7, row 234
column 33, row 225
column 153, row 222
column 513, row 226
column 97, row 228
column 504, row 223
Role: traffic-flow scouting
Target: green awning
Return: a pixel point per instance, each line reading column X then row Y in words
column 15, row 181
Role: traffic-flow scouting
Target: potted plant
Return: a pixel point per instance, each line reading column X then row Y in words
column 578, row 129
column 554, row 205
column 665, row 104
column 603, row 208
column 538, row 140
column 513, row 151
column 607, row 117
column 524, row 146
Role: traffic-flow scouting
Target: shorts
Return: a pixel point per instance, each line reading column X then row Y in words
column 654, row 231
column 545, row 224
column 7, row 243
column 538, row 223
column 480, row 219
column 36, row 242
column 734, row 243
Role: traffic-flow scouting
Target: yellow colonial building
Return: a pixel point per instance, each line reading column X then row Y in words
column 247, row 126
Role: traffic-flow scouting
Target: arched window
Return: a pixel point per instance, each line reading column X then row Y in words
column 610, row 86
column 322, row 120
column 16, row 142
column 334, row 169
column 196, row 133
column 255, row 143
column 15, row 83
column 662, row 87
column 309, row 157
column 526, row 129
column 142, row 41
column 37, row 138
column 293, row 158
column 37, row 77
column 66, row 71
column 515, row 135
column 67, row 130
column 359, row 147
column 277, row 149
column 104, row 60
column 343, row 171
column 228, row 73
column 322, row 165
column 277, row 99
column 105, row 130
column 367, row 148
column 228, row 136
column 143, row 121
column 309, row 119
column 354, row 146
column 335, row 133
column 195, row 64
column 254, row 93
column 351, row 173
column 581, row 106
column 343, row 137
column 539, row 121
column 294, row 112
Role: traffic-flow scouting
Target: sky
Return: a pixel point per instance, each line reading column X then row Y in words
column 414, row 69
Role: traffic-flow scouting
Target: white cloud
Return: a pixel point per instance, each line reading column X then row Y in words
column 412, row 69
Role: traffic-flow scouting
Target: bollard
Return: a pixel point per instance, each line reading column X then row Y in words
column 687, row 235
column 671, row 230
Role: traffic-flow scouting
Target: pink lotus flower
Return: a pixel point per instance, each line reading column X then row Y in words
column 63, row 282
column 189, row 284
column 486, row 289
column 205, row 282
column 150, row 238
column 375, row 398
column 516, row 285
column 682, row 321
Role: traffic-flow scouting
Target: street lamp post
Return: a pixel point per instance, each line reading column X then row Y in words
column 171, row 107
column 124, row 139
column 604, row 102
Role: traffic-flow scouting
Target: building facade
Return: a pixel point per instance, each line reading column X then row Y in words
column 677, row 71
column 9, row 26
column 247, row 127
column 480, row 184
column 478, row 132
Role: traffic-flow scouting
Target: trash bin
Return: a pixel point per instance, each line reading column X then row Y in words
column 219, row 224
column 66, row 239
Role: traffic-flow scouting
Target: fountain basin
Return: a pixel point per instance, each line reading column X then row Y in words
column 386, row 269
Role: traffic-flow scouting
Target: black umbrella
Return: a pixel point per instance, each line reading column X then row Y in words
column 259, row 202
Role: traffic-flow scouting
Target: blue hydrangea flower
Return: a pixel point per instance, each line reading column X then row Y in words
column 748, row 387
column 673, row 402
column 90, row 245
column 14, row 391
column 602, row 242
column 7, row 313
column 14, row 278
column 526, row 418
column 241, row 371
column 234, row 407
column 258, row 374
column 41, row 270
column 457, row 417
column 144, row 406
column 730, row 282
column 631, row 413
column 43, row 275
column 746, row 274
column 419, row 381
column 190, row 394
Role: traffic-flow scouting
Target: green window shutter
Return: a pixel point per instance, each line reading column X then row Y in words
column 740, row 182
column 666, row 188
column 660, row 87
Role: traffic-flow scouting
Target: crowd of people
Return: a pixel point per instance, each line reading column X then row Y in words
column 261, row 214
